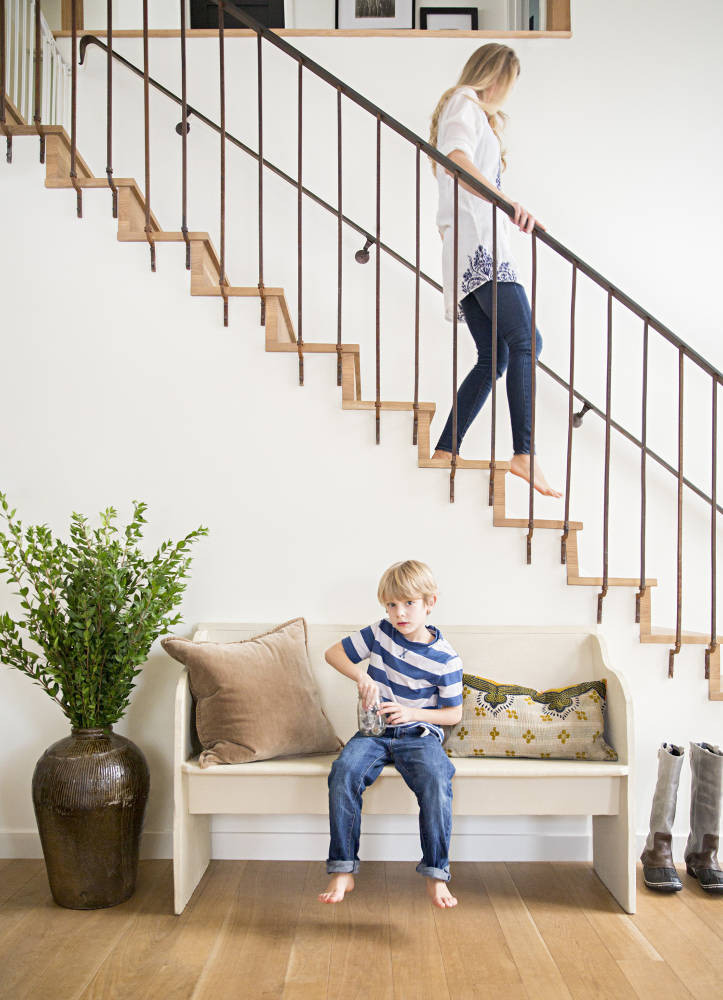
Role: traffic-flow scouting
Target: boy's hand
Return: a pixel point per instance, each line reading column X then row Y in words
column 368, row 691
column 397, row 714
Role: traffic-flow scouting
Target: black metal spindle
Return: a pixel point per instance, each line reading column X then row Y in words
column 260, row 92
column 37, row 113
column 455, row 307
column 222, row 96
column 299, row 213
column 606, row 500
column 570, row 419
column 533, row 393
column 74, row 109
column 493, row 416
column 713, row 533
column 184, row 139
column 679, row 553
column 643, row 477
column 417, row 268
column 109, row 112
column 339, row 269
column 377, row 261
column 147, row 136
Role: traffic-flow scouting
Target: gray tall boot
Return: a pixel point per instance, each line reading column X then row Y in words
column 658, row 869
column 701, row 850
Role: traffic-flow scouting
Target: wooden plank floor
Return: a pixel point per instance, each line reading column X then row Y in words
column 255, row 929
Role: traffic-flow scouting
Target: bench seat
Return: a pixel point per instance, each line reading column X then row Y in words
column 541, row 657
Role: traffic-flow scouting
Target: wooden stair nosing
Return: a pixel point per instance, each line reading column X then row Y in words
column 385, row 404
column 613, row 581
column 546, row 523
column 665, row 637
column 312, row 347
column 462, row 463
column 232, row 291
column 89, row 182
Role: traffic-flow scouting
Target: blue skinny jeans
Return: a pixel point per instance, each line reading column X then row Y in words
column 514, row 323
column 426, row 769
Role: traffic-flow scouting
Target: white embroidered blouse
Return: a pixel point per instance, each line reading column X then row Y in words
column 463, row 125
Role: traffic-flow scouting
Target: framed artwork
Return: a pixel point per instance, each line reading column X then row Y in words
column 374, row 14
column 444, row 18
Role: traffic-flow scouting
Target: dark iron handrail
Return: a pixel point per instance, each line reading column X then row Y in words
column 88, row 39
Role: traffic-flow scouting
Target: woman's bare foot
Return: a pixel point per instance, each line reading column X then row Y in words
column 520, row 466
column 340, row 884
column 443, row 458
column 440, row 894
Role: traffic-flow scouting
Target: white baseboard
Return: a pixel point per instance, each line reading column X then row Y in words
column 263, row 842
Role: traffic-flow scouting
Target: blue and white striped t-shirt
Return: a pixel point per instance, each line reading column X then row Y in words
column 414, row 674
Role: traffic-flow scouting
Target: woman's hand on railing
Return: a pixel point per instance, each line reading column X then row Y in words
column 523, row 219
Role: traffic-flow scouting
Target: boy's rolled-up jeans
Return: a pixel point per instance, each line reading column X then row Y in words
column 426, row 769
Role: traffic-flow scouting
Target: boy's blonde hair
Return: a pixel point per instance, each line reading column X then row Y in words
column 406, row 581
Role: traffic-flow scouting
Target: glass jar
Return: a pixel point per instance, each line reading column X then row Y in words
column 371, row 721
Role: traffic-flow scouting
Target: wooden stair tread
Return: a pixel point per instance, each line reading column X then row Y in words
column 523, row 522
column 385, row 404
column 462, row 463
column 232, row 291
column 613, row 581
column 667, row 637
column 282, row 347
column 89, row 182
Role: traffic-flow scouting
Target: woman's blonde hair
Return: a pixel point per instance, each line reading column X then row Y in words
column 487, row 66
column 406, row 581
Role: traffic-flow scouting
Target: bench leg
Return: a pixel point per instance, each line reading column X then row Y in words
column 191, row 849
column 613, row 852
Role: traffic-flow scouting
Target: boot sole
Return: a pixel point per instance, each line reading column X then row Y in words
column 663, row 886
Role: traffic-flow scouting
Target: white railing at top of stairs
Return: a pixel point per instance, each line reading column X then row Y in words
column 20, row 60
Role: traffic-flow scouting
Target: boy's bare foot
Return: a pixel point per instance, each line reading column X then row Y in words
column 520, row 466
column 443, row 458
column 440, row 894
column 340, row 884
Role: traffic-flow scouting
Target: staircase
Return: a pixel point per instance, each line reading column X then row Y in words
column 137, row 224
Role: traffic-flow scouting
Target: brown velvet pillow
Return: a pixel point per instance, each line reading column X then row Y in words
column 257, row 698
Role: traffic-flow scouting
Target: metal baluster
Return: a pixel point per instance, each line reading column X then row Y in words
column 74, row 109
column 260, row 90
column 3, row 115
column 679, row 560
column 570, row 405
column 184, row 139
column 338, row 234
column 643, row 477
column 109, row 92
column 606, row 502
column 455, row 308
column 299, row 210
column 222, row 89
column 37, row 115
column 147, row 136
column 713, row 534
column 377, row 273
column 493, row 424
column 533, row 387
column 417, row 268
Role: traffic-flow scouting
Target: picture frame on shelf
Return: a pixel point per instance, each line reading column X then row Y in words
column 448, row 18
column 372, row 15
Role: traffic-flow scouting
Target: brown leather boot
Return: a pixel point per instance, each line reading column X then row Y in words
column 701, row 851
column 658, row 867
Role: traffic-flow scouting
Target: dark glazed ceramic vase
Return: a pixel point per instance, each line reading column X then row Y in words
column 89, row 792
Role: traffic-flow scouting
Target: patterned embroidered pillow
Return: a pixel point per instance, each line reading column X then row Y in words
column 505, row 720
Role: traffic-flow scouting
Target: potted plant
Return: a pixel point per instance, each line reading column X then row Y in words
column 91, row 608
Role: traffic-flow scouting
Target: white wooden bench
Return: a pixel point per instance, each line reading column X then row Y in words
column 538, row 657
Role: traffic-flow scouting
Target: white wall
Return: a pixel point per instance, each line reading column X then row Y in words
column 118, row 385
